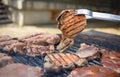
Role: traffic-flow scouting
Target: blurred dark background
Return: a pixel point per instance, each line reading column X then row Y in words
column 46, row 11
column 42, row 14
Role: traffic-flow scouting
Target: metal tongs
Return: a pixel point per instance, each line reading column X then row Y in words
column 98, row 15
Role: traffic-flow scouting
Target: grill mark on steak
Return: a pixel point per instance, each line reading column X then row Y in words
column 67, row 59
column 65, row 19
column 62, row 56
column 57, row 58
column 69, row 14
column 71, row 23
column 64, row 15
column 62, row 59
column 56, row 62
column 74, row 28
column 68, row 18
column 75, row 33
column 75, row 57
column 70, row 57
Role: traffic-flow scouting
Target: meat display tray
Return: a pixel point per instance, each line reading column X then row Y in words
column 99, row 39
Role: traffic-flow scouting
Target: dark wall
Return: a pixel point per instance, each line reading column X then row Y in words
column 99, row 5
column 115, row 6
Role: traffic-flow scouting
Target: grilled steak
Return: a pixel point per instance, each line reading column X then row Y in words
column 70, row 25
column 87, row 51
column 20, row 70
column 35, row 50
column 40, row 43
column 33, row 45
column 65, row 44
column 57, row 61
column 93, row 71
column 5, row 38
column 111, row 60
column 8, row 42
column 31, row 50
column 5, row 60
column 41, row 38
column 15, row 47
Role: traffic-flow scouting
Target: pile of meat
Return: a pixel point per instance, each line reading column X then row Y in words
column 110, row 61
column 33, row 45
column 44, row 43
column 93, row 71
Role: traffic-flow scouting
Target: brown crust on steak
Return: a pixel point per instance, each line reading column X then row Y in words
column 41, row 38
column 33, row 45
column 93, row 71
column 111, row 59
column 71, row 24
column 88, row 51
column 5, row 43
column 57, row 61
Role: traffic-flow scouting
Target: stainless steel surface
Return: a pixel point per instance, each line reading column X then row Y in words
column 98, row 15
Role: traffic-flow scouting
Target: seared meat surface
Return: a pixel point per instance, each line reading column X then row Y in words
column 70, row 25
column 20, row 70
column 41, row 39
column 93, row 71
column 33, row 45
column 111, row 59
column 5, row 60
column 35, row 50
column 57, row 61
column 15, row 47
column 87, row 51
column 8, row 42
column 5, row 38
column 31, row 50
